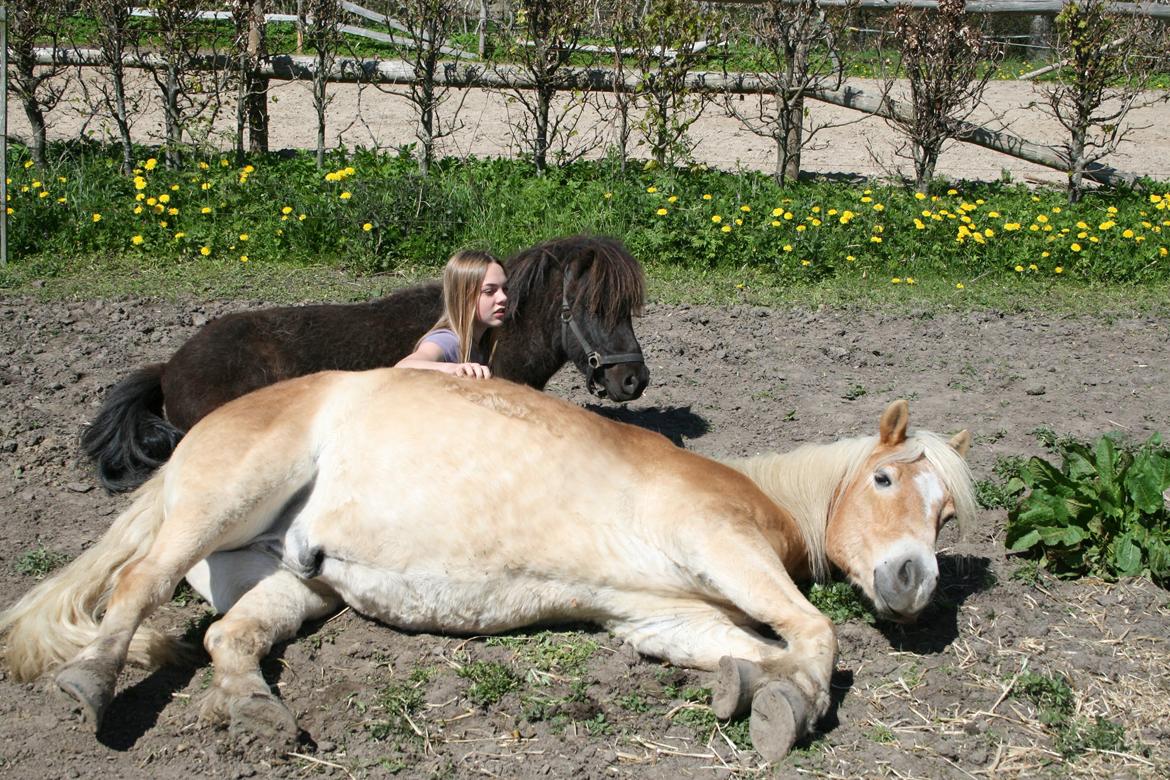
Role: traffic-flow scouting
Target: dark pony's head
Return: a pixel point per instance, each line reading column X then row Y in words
column 596, row 286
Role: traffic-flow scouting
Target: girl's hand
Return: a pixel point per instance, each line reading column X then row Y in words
column 473, row 370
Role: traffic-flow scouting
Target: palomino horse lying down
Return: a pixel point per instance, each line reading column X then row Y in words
column 441, row 504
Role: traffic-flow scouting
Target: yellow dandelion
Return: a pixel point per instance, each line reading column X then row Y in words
column 243, row 258
column 205, row 250
column 349, row 170
column 1127, row 233
column 745, row 208
column 164, row 198
column 249, row 169
column 776, row 212
column 205, row 186
column 244, row 236
column 952, row 192
column 1058, row 270
column 806, row 262
column 919, row 196
column 706, row 196
column 959, row 286
column 180, row 235
column 136, row 240
column 652, row 189
column 205, row 210
column 1019, row 269
column 137, row 209
column 96, row 217
column 726, row 228
column 661, row 212
column 896, row 280
column 203, row 166
column 1041, row 218
column 150, row 164
column 366, row 227
column 607, row 195
column 139, row 183
column 788, row 247
column 776, row 223
column 878, row 207
column 346, row 195
column 875, row 239
column 919, row 224
column 716, row 218
column 738, row 221
column 672, row 199
column 286, row 210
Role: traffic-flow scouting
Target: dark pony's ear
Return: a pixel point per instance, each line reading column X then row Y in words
column 961, row 441
column 895, row 420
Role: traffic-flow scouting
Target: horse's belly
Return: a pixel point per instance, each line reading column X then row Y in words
column 471, row 603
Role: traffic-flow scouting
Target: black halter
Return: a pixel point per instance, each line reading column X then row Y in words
column 597, row 361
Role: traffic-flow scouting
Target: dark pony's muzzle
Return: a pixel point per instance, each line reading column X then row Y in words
column 620, row 377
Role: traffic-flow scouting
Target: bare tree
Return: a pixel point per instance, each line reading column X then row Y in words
column 322, row 25
column 428, row 24
column 668, row 39
column 947, row 62
column 798, row 50
column 552, row 29
column 33, row 23
column 189, row 93
column 620, row 17
column 250, row 45
column 114, row 38
column 1106, row 62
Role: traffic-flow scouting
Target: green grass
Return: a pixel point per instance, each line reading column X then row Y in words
column 280, row 229
column 839, row 602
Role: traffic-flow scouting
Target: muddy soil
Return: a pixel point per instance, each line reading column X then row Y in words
column 934, row 700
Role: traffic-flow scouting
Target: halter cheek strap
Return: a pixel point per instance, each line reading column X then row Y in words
column 597, row 360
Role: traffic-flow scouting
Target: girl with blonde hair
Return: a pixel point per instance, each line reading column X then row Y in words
column 475, row 298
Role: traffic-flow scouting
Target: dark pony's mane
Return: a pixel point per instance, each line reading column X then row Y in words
column 609, row 280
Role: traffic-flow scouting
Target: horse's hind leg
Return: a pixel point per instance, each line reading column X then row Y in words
column 91, row 676
column 271, row 611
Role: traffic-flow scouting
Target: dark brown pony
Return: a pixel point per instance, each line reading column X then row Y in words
column 569, row 299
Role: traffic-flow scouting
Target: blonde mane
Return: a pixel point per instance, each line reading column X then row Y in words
column 805, row 481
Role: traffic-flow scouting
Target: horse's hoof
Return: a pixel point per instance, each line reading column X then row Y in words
column 264, row 716
column 778, row 715
column 91, row 684
column 736, row 682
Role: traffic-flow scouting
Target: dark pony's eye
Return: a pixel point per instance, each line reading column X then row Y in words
column 881, row 479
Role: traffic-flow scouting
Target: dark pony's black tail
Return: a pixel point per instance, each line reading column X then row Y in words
column 129, row 437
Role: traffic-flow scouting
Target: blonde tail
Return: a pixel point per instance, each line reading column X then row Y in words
column 60, row 616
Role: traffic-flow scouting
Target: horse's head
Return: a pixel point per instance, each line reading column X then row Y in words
column 886, row 517
column 600, row 289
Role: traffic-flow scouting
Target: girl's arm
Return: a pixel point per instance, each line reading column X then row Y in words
column 430, row 356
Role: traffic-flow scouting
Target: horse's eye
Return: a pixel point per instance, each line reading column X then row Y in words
column 881, row 479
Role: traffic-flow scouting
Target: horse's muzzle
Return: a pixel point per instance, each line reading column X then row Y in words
column 620, row 381
column 905, row 585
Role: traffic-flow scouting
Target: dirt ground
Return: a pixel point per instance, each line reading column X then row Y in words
column 929, row 701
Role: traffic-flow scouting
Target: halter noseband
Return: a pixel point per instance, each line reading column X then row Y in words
column 596, row 359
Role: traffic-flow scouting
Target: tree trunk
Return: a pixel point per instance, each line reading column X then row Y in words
column 257, row 94
column 36, row 122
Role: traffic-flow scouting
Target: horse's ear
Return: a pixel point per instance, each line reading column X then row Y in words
column 895, row 420
column 961, row 441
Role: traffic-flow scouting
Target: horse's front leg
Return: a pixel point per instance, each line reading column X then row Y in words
column 751, row 670
column 273, row 610
column 746, row 572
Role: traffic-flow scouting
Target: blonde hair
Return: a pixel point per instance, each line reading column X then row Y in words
column 462, row 279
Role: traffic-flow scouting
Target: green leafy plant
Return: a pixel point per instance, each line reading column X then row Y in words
column 1055, row 707
column 1100, row 513
column 490, row 681
column 39, row 562
column 839, row 602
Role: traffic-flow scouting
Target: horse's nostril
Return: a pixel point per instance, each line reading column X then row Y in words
column 906, row 573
